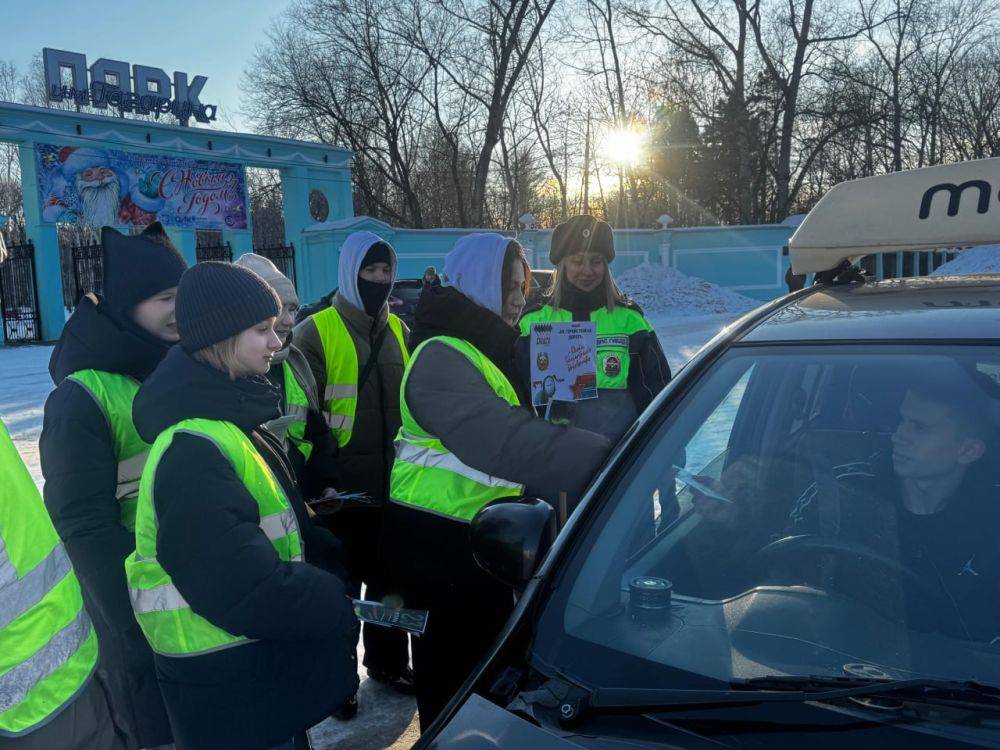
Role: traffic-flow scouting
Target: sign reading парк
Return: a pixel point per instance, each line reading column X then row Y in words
column 114, row 83
column 105, row 187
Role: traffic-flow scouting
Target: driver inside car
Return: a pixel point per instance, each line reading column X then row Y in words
column 913, row 529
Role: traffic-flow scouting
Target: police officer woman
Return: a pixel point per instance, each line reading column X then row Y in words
column 631, row 367
column 253, row 640
column 467, row 439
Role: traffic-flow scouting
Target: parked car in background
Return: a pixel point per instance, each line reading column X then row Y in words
column 404, row 298
column 541, row 281
column 771, row 558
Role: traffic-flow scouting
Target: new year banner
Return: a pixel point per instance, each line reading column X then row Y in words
column 114, row 188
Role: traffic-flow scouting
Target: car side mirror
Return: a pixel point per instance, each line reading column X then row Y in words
column 510, row 539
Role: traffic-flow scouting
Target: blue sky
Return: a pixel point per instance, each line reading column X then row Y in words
column 213, row 38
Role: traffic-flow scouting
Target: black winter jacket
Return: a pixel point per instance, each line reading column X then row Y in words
column 80, row 469
column 302, row 665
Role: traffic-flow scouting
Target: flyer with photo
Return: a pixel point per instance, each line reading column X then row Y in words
column 563, row 362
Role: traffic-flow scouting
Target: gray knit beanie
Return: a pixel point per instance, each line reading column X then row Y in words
column 266, row 269
column 218, row 300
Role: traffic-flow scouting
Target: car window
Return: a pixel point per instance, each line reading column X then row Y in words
column 704, row 454
column 807, row 507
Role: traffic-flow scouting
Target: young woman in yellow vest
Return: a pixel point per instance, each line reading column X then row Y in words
column 631, row 367
column 49, row 694
column 302, row 427
column 468, row 438
column 92, row 456
column 357, row 351
column 235, row 589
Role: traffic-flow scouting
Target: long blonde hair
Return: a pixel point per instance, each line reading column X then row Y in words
column 221, row 356
column 555, row 294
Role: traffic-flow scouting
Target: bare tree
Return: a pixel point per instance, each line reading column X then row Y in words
column 791, row 48
column 551, row 112
column 334, row 72
column 896, row 31
column 959, row 27
column 710, row 39
column 506, row 31
column 970, row 121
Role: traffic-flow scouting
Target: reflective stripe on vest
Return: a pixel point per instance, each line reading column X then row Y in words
column 171, row 626
column 340, row 397
column 48, row 648
column 426, row 474
column 613, row 331
column 114, row 394
column 296, row 406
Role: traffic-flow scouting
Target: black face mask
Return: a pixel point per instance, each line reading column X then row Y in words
column 373, row 295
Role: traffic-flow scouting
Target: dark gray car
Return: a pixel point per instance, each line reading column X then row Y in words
column 797, row 543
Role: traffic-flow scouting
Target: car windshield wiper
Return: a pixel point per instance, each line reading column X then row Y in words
column 970, row 693
column 789, row 689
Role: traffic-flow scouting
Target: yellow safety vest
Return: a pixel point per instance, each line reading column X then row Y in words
column 613, row 331
column 296, row 406
column 340, row 397
column 114, row 393
column 426, row 474
column 48, row 647
column 171, row 626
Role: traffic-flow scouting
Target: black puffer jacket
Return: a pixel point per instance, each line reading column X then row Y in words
column 302, row 665
column 80, row 469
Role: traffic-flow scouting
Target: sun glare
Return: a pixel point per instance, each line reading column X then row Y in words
column 624, row 146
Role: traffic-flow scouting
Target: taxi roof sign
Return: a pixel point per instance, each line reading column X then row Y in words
column 919, row 209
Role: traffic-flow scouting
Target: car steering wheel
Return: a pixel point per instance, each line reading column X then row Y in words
column 813, row 543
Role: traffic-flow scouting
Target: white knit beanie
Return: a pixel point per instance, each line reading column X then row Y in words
column 264, row 268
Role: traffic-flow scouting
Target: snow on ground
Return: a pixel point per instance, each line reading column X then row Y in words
column 982, row 259
column 386, row 719
column 662, row 289
column 24, row 386
column 681, row 336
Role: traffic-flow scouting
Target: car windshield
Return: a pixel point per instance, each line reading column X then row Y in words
column 805, row 510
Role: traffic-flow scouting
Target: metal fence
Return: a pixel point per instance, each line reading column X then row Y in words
column 283, row 256
column 88, row 271
column 19, row 295
column 910, row 263
column 223, row 251
column 902, row 264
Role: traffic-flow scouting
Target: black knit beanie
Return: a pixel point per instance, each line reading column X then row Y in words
column 377, row 253
column 137, row 267
column 582, row 234
column 218, row 300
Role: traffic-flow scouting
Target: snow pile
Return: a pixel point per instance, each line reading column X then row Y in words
column 982, row 259
column 661, row 289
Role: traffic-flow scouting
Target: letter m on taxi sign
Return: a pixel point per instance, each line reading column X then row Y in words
column 955, row 193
